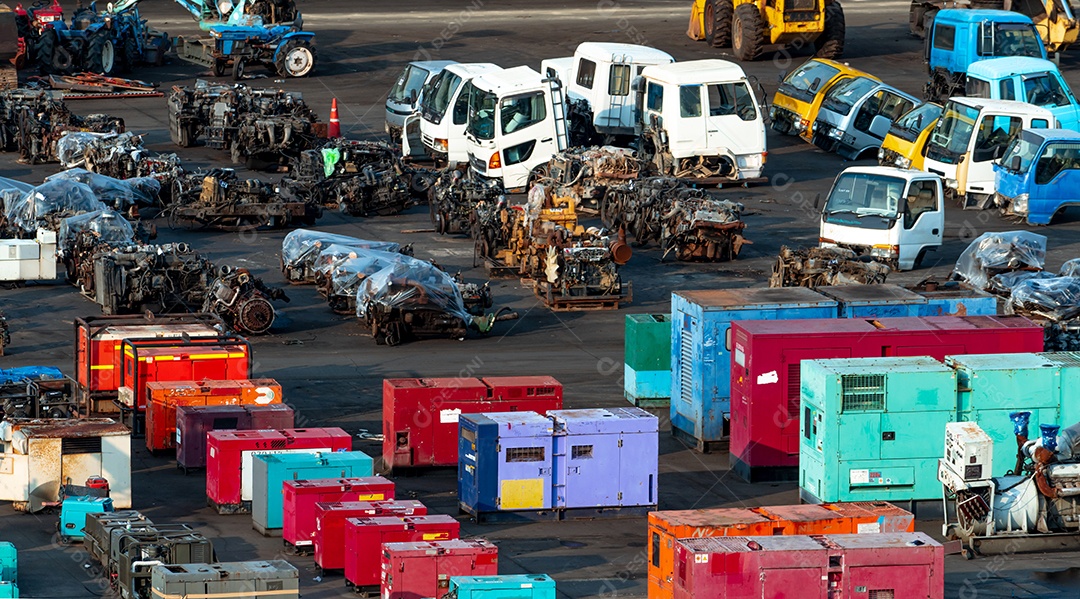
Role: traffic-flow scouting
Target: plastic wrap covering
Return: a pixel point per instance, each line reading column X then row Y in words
column 47, row 204
column 411, row 284
column 301, row 248
column 1071, row 268
column 71, row 147
column 817, row 267
column 1003, row 284
column 120, row 194
column 1057, row 299
column 107, row 226
column 10, row 192
column 993, row 253
column 343, row 276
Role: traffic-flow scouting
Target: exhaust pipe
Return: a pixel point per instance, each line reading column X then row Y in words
column 1020, row 422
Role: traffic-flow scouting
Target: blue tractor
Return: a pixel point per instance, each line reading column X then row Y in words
column 249, row 32
column 107, row 42
column 956, row 38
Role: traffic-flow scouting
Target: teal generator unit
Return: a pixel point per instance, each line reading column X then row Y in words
column 270, row 471
column 647, row 360
column 1069, row 365
column 519, row 586
column 701, row 350
column 8, row 590
column 993, row 385
column 872, row 429
column 504, row 463
column 73, row 511
column 9, row 562
column 875, row 301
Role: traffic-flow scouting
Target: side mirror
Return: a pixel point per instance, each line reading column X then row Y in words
column 817, row 83
column 1014, row 164
column 961, row 159
column 879, row 127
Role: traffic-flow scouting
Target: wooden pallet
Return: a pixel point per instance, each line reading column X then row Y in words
column 583, row 303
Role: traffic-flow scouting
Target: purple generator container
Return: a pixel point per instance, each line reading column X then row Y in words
column 194, row 422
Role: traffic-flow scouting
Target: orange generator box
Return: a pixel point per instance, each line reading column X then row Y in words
column 98, row 348
column 829, row 518
column 162, row 398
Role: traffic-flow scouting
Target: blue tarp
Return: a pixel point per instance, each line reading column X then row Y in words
column 28, row 373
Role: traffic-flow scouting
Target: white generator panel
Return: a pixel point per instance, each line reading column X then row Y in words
column 968, row 451
column 29, row 259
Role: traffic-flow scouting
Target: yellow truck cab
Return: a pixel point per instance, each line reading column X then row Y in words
column 797, row 101
column 904, row 146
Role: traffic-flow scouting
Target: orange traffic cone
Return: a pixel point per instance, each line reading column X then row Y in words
column 334, row 130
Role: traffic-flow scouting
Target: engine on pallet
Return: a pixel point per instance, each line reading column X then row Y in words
column 361, row 178
column 586, row 174
column 46, row 206
column 156, row 278
column 32, row 121
column 36, row 392
column 583, row 272
column 84, row 236
column 300, row 251
column 817, row 267
column 341, row 269
column 118, row 155
column 242, row 300
column 251, row 124
column 219, row 199
column 455, row 197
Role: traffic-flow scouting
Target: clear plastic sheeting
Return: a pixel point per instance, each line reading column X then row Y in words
column 331, row 255
column 1071, row 268
column 992, row 253
column 411, row 285
column 1057, row 299
column 348, row 272
column 116, row 193
column 303, row 246
column 71, row 147
column 107, row 225
column 10, row 192
column 44, row 205
column 1003, row 284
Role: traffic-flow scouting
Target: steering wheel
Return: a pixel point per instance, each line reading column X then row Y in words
column 40, row 3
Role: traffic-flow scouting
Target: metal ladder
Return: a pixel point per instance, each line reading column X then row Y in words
column 614, row 112
column 558, row 107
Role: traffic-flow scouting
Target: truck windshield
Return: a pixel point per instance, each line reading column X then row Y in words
column 482, row 114
column 844, row 96
column 1017, row 39
column 408, row 85
column 1045, row 90
column 806, row 81
column 1026, row 146
column 950, row 138
column 866, row 194
column 913, row 122
column 437, row 96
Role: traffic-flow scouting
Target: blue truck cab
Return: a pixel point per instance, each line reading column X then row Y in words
column 958, row 38
column 1039, row 175
column 1032, row 80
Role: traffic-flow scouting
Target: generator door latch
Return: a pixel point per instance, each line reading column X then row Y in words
column 888, row 436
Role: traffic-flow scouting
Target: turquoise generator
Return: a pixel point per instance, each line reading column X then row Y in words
column 270, row 471
column 518, row 586
column 872, row 429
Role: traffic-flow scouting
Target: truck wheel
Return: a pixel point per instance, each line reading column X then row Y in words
column 219, row 67
column 131, row 54
column 44, row 48
column 101, row 53
column 295, row 59
column 831, row 42
column 718, row 22
column 747, row 32
column 238, row 67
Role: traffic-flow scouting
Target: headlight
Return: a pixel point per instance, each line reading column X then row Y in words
column 885, row 251
column 801, row 125
column 748, row 161
column 1020, row 204
column 836, row 133
column 442, row 145
column 903, row 162
column 881, row 154
column 772, row 112
column 952, row 183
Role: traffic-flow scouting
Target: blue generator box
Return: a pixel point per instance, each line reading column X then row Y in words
column 519, row 586
column 270, row 471
column 73, row 513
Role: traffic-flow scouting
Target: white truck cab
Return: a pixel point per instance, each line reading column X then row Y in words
column 893, row 215
column 443, row 113
column 601, row 74
column 404, row 97
column 700, row 117
column 971, row 134
column 516, row 123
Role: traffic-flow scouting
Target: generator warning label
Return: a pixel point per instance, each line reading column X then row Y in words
column 701, row 558
column 449, row 416
column 768, row 378
column 860, row 477
column 371, row 497
column 436, row 536
column 869, row 528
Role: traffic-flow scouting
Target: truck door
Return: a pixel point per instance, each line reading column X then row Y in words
column 1057, row 177
column 526, row 135
column 923, row 221
column 994, row 133
column 1049, row 91
column 884, row 103
column 732, row 119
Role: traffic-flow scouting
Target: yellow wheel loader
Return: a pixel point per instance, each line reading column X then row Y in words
column 752, row 27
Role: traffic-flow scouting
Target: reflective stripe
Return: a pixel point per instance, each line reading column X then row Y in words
column 102, row 367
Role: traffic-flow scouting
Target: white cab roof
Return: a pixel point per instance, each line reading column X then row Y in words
column 695, row 72
column 612, row 52
column 889, row 171
column 1006, row 106
column 509, row 80
column 472, row 69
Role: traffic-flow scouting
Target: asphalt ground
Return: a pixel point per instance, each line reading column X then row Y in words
column 332, row 372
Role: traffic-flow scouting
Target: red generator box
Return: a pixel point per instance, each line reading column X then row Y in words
column 194, row 361
column 98, row 341
column 364, row 539
column 194, row 422
column 903, row 564
column 300, row 496
column 420, row 416
column 228, row 459
column 164, row 397
column 414, row 570
column 766, row 355
column 330, row 520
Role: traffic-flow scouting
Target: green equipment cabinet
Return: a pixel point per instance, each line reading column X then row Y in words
column 515, row 586
column 872, row 429
column 647, row 361
column 1069, row 365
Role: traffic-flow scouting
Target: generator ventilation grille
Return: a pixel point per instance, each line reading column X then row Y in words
column 862, row 392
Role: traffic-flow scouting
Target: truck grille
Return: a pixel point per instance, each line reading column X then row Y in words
column 888, row 157
column 783, row 120
column 477, row 164
column 821, row 137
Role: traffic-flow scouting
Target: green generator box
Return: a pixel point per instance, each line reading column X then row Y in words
column 872, row 429
column 1069, row 365
column 647, row 360
column 9, row 562
column 990, row 386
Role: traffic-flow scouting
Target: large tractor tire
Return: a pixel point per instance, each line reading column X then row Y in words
column 747, row 32
column 831, row 42
column 718, row 15
column 132, row 58
column 295, row 59
column 101, row 54
column 44, row 48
